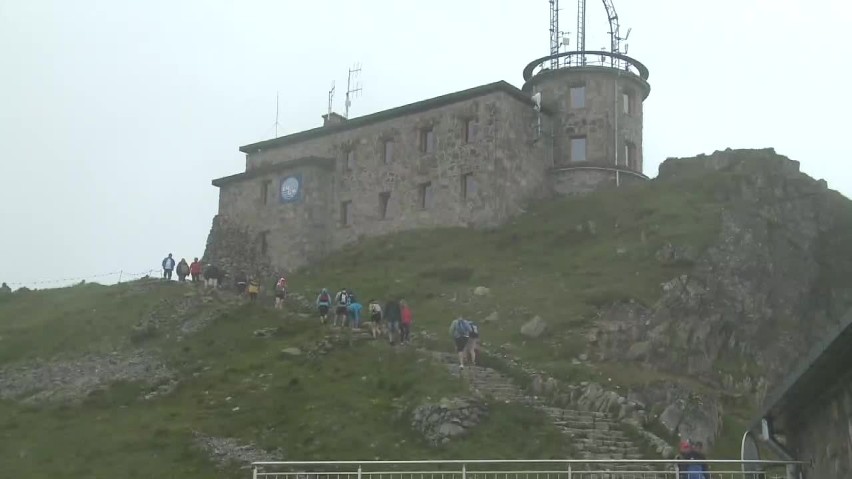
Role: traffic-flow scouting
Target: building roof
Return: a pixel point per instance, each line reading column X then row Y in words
column 385, row 115
column 826, row 363
column 327, row 163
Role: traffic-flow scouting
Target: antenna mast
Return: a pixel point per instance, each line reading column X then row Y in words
column 276, row 114
column 554, row 33
column 352, row 90
column 331, row 98
column 581, row 29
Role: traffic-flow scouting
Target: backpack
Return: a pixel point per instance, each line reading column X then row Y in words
column 341, row 298
column 459, row 328
column 324, row 298
column 473, row 327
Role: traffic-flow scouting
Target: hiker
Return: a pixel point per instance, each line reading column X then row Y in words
column 212, row 275
column 405, row 322
column 460, row 331
column 5, row 289
column 375, row 318
column 280, row 292
column 472, row 347
column 241, row 281
column 182, row 270
column 195, row 270
column 253, row 289
column 323, row 304
column 355, row 313
column 393, row 316
column 690, row 470
column 168, row 265
column 341, row 307
column 701, row 470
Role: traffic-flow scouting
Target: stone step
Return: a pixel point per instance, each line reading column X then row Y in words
column 593, row 433
column 572, row 412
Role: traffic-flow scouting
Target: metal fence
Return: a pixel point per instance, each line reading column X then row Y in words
column 525, row 469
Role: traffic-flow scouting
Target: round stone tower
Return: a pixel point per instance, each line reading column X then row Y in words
column 594, row 101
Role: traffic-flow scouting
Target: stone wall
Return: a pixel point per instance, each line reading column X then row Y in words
column 824, row 434
column 595, row 120
column 263, row 236
column 506, row 159
column 581, row 181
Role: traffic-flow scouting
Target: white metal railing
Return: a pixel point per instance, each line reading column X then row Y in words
column 524, row 469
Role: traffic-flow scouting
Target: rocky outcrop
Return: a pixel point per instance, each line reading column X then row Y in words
column 72, row 379
column 448, row 419
column 753, row 301
column 225, row 451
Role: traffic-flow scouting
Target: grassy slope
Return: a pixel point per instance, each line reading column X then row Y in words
column 562, row 260
column 341, row 407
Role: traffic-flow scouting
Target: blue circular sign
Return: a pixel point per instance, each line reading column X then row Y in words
column 290, row 189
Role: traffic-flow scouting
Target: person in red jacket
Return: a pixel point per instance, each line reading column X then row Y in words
column 195, row 271
column 405, row 324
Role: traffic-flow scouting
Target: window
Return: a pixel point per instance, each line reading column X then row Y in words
column 264, row 242
column 426, row 196
column 346, row 214
column 627, row 103
column 350, row 159
column 468, row 186
column 470, row 129
column 264, row 191
column 630, row 159
column 427, row 140
column 388, row 154
column 578, row 148
column 578, row 96
column 384, row 199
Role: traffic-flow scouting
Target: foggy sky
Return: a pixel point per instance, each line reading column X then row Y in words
column 115, row 115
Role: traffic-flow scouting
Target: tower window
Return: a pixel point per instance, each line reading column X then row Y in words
column 468, row 186
column 346, row 214
column 425, row 195
column 264, row 191
column 630, row 159
column 384, row 199
column 578, row 149
column 578, row 96
column 427, row 140
column 627, row 103
column 470, row 130
column 350, row 159
column 388, row 151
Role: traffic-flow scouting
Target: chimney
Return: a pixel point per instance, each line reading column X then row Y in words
column 332, row 119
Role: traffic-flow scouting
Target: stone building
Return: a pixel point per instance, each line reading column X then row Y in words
column 470, row 158
column 809, row 417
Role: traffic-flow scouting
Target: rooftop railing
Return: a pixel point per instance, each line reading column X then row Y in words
column 524, row 469
column 600, row 59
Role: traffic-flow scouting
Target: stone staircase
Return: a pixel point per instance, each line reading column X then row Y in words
column 594, row 435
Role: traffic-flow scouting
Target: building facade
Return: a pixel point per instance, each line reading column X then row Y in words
column 808, row 418
column 471, row 158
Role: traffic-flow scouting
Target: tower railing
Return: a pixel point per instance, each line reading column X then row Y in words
column 586, row 59
column 524, row 469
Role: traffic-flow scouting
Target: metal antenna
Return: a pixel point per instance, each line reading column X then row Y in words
column 554, row 33
column 331, row 98
column 276, row 114
column 581, row 30
column 352, row 90
column 614, row 34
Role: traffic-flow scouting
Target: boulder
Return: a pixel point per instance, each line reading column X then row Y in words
column 481, row 291
column 534, row 328
column 491, row 317
column 447, row 419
